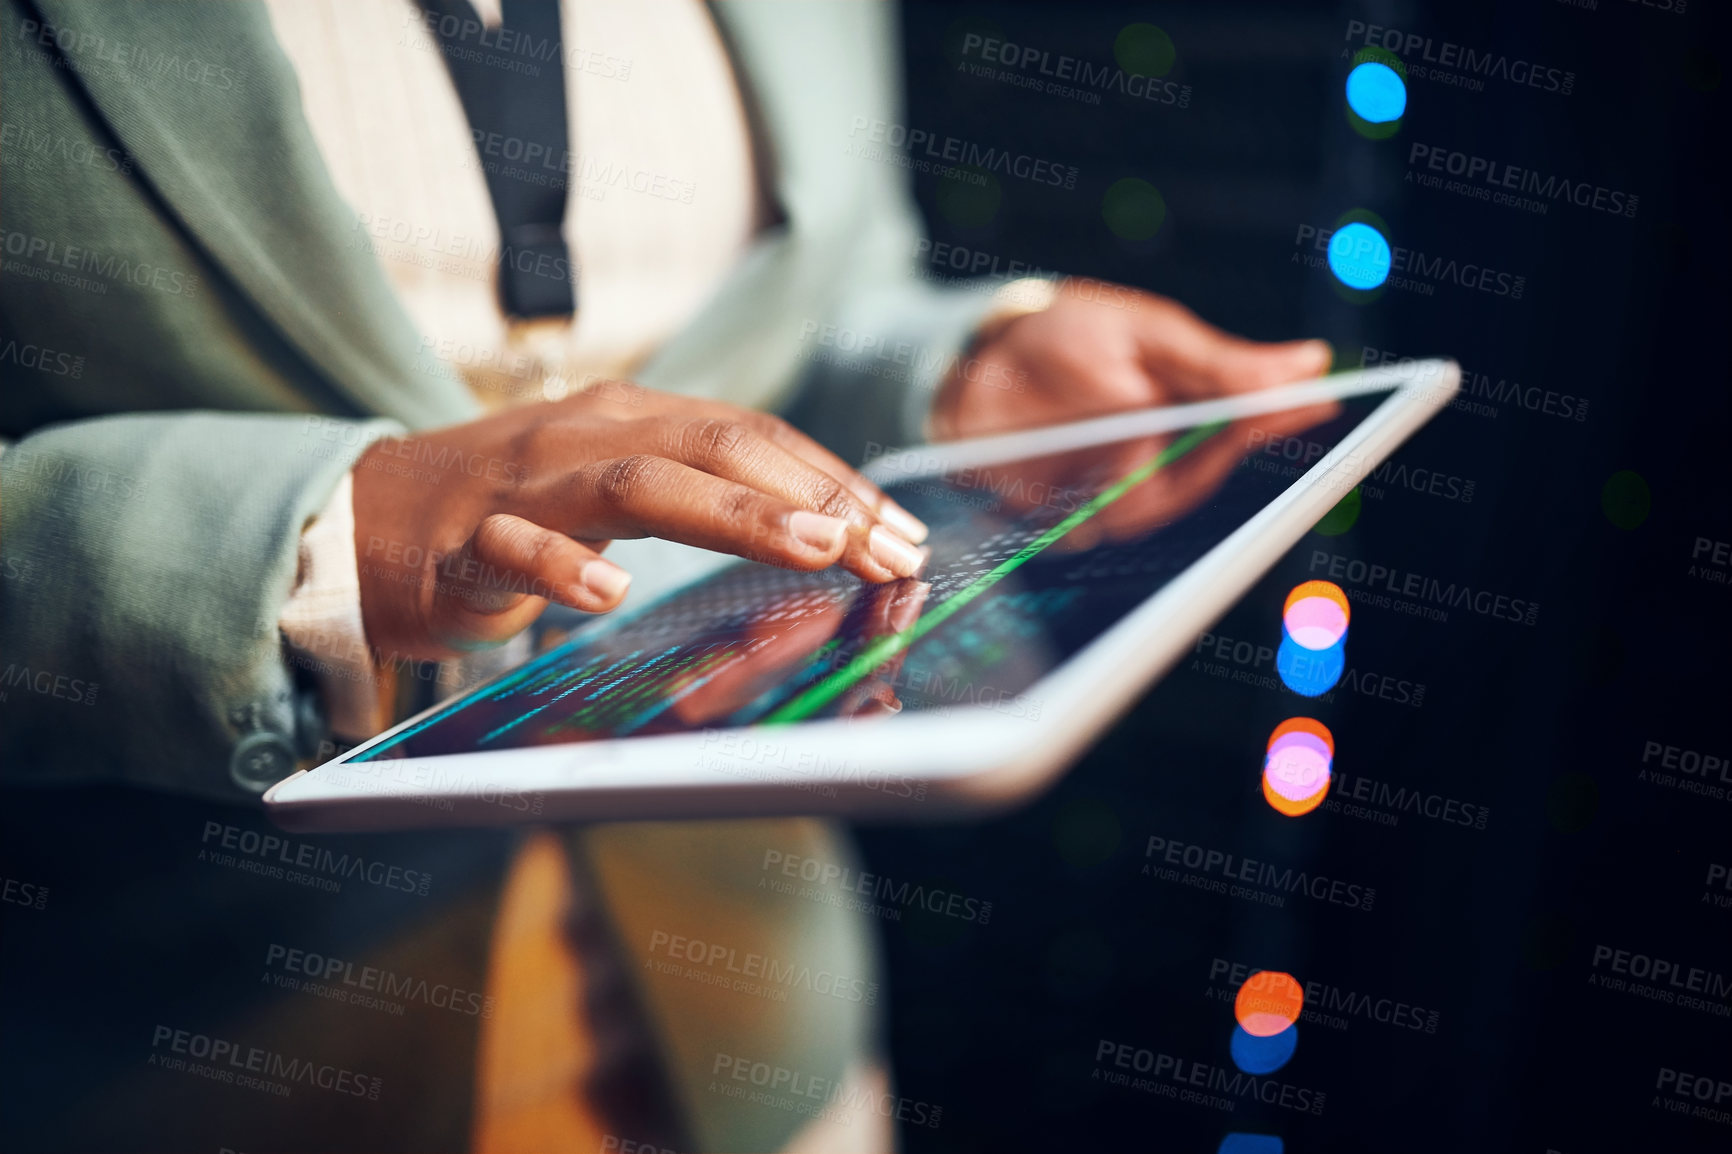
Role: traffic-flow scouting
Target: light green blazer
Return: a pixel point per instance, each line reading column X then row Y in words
column 183, row 293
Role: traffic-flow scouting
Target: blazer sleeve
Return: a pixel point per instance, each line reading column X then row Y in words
column 144, row 561
column 872, row 371
column 876, row 336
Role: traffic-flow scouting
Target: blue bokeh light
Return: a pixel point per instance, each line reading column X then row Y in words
column 1256, row 1055
column 1376, row 93
column 1310, row 672
column 1359, row 256
column 1251, row 1144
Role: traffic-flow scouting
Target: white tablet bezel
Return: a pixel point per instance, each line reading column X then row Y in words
column 926, row 763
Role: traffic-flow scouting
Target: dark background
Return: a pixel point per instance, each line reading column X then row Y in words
column 1545, row 725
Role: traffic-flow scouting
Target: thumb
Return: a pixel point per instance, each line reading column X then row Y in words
column 1251, row 365
column 498, row 583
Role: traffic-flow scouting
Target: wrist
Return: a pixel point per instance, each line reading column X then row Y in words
column 322, row 625
column 388, row 555
column 1013, row 301
column 1010, row 303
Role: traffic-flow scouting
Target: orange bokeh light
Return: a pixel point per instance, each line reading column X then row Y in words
column 1327, row 590
column 1268, row 1003
column 1300, row 731
column 1288, row 806
column 1303, row 725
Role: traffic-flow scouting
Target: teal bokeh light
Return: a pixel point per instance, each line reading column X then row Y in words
column 1376, row 93
column 1310, row 672
column 1359, row 256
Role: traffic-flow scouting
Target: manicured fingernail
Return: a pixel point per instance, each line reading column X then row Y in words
column 605, row 579
column 902, row 521
column 822, row 533
column 894, row 553
column 879, row 707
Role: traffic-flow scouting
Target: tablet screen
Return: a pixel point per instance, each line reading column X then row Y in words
column 1030, row 561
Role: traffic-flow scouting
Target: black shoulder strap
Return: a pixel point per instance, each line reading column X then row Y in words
column 511, row 80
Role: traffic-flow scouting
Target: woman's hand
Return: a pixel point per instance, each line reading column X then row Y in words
column 1102, row 348
column 464, row 534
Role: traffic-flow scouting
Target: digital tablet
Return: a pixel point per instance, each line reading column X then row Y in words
column 1070, row 567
